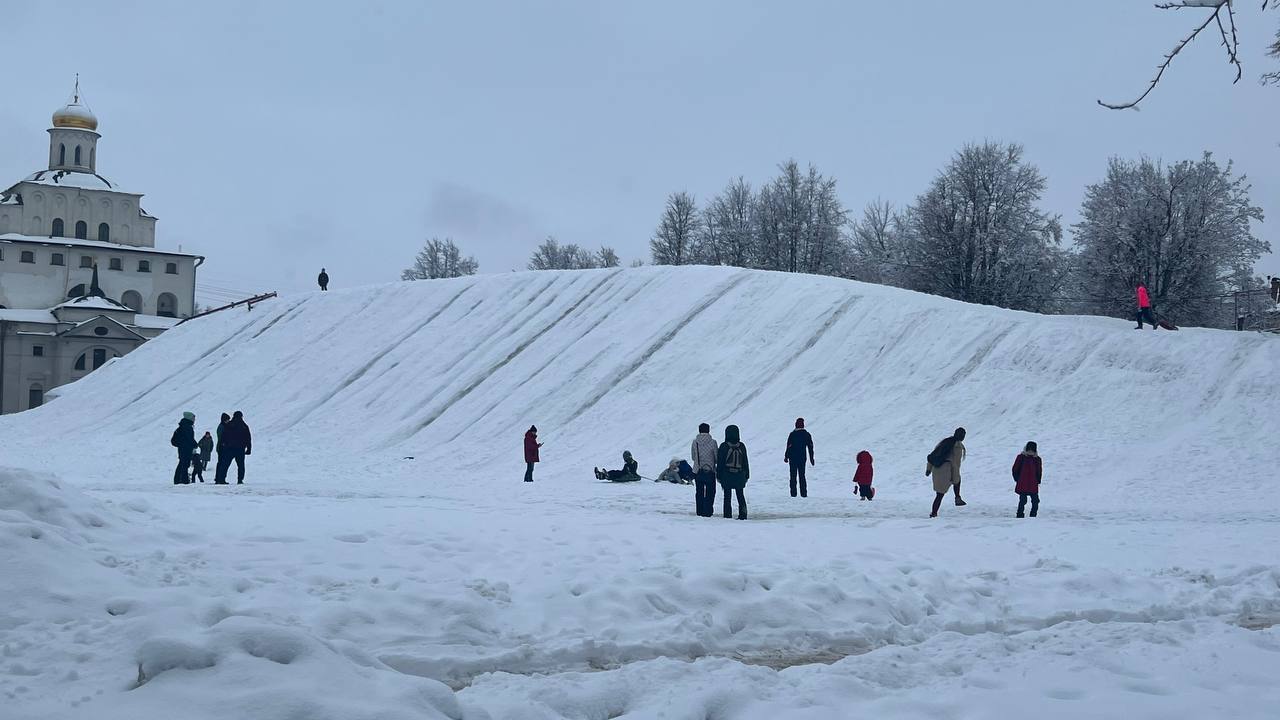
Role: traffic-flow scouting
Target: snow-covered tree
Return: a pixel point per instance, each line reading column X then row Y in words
column 978, row 235
column 673, row 241
column 551, row 255
column 606, row 257
column 798, row 223
column 440, row 259
column 1183, row 230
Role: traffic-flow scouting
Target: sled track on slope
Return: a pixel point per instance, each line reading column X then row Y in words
column 360, row 372
column 604, row 388
column 484, row 375
column 556, row 356
column 243, row 329
column 835, row 316
column 979, row 356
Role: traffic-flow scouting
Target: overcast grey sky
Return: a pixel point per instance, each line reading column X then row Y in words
column 277, row 137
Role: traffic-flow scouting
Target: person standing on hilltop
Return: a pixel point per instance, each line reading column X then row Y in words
column 1144, row 308
column 531, row 446
column 733, row 470
column 323, row 279
column 944, row 466
column 798, row 442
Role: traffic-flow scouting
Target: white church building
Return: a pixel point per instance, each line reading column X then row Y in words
column 81, row 280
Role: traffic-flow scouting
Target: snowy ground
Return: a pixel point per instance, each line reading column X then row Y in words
column 346, row 581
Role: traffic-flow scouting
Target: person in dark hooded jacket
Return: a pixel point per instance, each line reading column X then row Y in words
column 630, row 471
column 797, row 443
column 323, row 279
column 531, row 446
column 235, row 442
column 1028, row 470
column 184, row 438
column 220, row 468
column 733, row 470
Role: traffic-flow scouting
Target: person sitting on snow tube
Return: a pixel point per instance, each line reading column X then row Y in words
column 678, row 472
column 630, row 471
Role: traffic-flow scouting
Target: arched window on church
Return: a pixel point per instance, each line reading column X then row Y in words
column 62, row 154
column 167, row 305
column 59, row 229
column 133, row 299
column 93, row 153
column 104, row 232
column 82, row 230
column 77, row 155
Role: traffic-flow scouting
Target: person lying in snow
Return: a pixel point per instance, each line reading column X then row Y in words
column 678, row 471
column 630, row 471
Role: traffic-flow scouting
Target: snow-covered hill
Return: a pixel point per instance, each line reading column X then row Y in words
column 344, row 569
column 453, row 372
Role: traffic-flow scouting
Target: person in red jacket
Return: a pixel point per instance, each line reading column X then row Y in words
column 1144, row 308
column 1027, row 471
column 531, row 446
column 862, row 476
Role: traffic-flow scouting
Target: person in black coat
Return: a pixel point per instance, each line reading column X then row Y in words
column 184, row 438
column 323, row 279
column 733, row 470
column 234, row 443
column 797, row 443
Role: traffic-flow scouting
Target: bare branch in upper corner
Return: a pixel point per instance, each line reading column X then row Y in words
column 1227, row 31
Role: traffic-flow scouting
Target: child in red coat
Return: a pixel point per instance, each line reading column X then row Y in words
column 863, row 476
column 1027, row 471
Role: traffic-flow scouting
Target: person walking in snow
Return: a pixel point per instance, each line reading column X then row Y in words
column 235, row 442
column 1027, row 472
column 184, row 438
column 630, row 471
column 797, row 443
column 944, row 466
column 863, row 475
column 1144, row 308
column 733, row 470
column 220, row 470
column 323, row 279
column 702, row 456
column 197, row 466
column 531, row 446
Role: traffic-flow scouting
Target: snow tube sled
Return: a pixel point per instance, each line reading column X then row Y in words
column 1166, row 325
column 616, row 475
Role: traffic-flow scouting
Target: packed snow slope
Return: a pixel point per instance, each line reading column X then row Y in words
column 452, row 372
column 384, row 561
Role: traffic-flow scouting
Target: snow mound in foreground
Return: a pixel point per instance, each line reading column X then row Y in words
column 79, row 576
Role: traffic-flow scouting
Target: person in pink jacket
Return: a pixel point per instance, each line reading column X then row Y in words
column 1144, row 308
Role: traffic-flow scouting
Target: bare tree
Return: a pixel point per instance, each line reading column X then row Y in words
column 877, row 250
column 440, row 259
column 673, row 241
column 729, row 231
column 1216, row 11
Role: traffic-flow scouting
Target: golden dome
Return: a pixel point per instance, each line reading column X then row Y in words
column 75, row 114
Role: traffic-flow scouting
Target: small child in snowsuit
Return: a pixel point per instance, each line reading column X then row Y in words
column 1027, row 472
column 862, row 476
column 197, row 467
